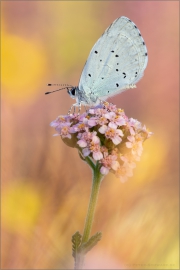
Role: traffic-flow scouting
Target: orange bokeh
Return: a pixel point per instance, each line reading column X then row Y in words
column 45, row 185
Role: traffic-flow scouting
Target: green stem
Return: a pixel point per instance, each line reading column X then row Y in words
column 97, row 177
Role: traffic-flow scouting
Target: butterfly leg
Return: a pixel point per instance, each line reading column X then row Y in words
column 79, row 109
column 85, row 108
column 70, row 109
column 74, row 108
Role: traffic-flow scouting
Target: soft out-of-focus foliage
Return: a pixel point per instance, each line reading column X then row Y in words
column 45, row 185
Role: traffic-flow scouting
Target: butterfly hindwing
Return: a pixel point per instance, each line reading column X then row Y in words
column 117, row 60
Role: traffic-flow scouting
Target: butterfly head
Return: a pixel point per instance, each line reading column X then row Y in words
column 72, row 92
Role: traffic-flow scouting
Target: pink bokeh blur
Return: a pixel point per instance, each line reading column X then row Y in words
column 45, row 185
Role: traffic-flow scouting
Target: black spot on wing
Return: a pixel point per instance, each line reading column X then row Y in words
column 124, row 74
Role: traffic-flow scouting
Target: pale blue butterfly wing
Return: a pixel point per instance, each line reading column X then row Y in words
column 117, row 60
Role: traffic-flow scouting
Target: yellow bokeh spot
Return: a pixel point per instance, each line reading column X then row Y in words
column 23, row 65
column 172, row 258
column 21, row 204
column 151, row 161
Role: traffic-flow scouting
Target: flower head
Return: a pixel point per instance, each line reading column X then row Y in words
column 105, row 135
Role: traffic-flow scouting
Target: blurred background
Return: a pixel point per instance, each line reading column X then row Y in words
column 45, row 185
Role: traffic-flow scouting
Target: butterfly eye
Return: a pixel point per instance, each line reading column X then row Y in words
column 73, row 91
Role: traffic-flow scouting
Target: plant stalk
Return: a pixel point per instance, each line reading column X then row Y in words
column 97, row 177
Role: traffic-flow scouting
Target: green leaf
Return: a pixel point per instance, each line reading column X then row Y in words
column 71, row 142
column 84, row 248
column 76, row 241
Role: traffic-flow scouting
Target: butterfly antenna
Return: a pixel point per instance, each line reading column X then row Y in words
column 57, row 90
column 58, row 84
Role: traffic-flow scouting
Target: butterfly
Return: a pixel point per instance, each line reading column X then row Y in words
column 116, row 62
